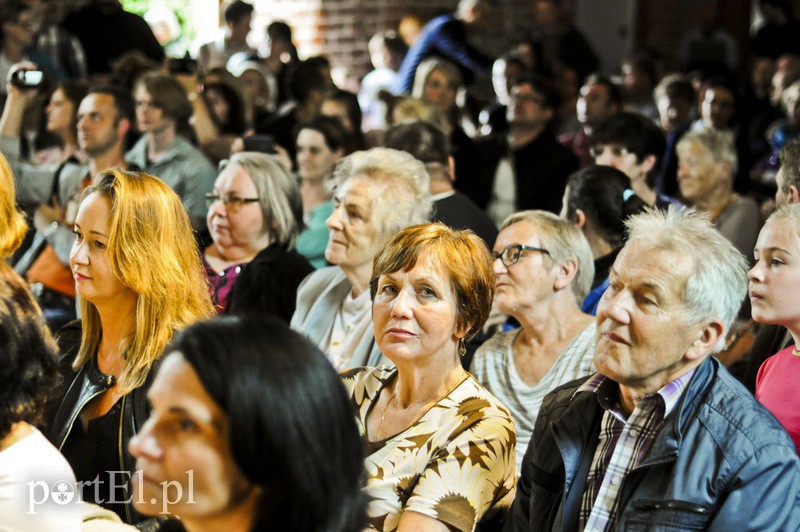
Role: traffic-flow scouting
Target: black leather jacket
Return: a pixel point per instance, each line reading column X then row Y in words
column 78, row 389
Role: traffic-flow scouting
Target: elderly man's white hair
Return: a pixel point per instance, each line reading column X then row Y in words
column 718, row 282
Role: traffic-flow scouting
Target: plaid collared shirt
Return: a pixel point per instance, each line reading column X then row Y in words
column 623, row 444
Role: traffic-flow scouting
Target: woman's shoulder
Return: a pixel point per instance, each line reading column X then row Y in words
column 365, row 382
column 472, row 397
column 494, row 351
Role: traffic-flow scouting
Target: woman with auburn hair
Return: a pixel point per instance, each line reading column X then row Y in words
column 440, row 447
column 140, row 279
column 12, row 222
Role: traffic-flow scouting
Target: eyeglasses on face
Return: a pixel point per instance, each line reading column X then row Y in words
column 511, row 254
column 616, row 151
column 231, row 202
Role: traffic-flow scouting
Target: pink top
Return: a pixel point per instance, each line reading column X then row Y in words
column 221, row 283
column 777, row 389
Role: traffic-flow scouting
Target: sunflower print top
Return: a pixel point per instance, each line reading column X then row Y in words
column 455, row 463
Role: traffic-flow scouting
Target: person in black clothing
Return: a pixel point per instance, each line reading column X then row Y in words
column 527, row 168
column 428, row 143
column 107, row 32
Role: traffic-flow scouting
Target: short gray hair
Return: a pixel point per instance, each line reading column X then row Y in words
column 564, row 241
column 278, row 193
column 719, row 143
column 407, row 199
column 718, row 283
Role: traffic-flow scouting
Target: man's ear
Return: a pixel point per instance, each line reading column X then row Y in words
column 648, row 163
column 451, row 168
column 794, row 194
column 707, row 337
column 580, row 218
column 123, row 127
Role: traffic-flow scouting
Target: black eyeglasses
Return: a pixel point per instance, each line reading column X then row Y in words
column 232, row 203
column 511, row 254
column 616, row 151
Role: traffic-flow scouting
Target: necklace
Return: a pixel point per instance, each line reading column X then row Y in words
column 383, row 414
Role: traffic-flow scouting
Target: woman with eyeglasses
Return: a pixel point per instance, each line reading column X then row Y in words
column 543, row 269
column 254, row 217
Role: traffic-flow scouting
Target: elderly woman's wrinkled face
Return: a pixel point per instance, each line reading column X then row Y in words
column 354, row 225
column 236, row 224
column 414, row 313
column 698, row 173
column 183, row 457
column 529, row 282
column 91, row 266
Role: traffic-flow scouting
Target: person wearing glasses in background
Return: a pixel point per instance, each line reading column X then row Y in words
column 254, row 216
column 543, row 269
column 526, row 168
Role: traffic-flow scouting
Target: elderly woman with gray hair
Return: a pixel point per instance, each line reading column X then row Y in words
column 543, row 269
column 706, row 168
column 377, row 193
column 254, row 216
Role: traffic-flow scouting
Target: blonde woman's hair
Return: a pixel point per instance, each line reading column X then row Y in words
column 12, row 222
column 152, row 251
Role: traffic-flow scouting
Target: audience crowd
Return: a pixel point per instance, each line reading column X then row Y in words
column 236, row 296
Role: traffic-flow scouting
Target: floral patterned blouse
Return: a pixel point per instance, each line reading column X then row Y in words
column 455, row 464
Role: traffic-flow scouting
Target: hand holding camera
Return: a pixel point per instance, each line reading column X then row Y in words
column 26, row 76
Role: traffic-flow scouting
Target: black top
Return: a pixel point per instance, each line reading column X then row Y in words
column 268, row 284
column 541, row 170
column 94, row 456
column 459, row 212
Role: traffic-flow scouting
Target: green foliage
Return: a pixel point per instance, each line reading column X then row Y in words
column 181, row 8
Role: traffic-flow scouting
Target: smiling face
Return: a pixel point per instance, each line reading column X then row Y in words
column 315, row 159
column 774, row 279
column 527, row 283
column 60, row 111
column 183, row 448
column 642, row 338
column 95, row 280
column 699, row 175
column 354, row 232
column 242, row 226
column 414, row 313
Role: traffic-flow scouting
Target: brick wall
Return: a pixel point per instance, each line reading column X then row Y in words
column 342, row 28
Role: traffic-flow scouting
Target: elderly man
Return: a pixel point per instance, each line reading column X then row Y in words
column 662, row 436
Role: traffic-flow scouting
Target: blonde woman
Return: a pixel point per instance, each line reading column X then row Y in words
column 139, row 278
column 12, row 222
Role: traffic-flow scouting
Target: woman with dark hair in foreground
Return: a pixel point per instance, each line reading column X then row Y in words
column 254, row 420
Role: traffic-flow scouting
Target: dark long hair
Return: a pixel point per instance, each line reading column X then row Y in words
column 292, row 427
column 28, row 354
column 603, row 194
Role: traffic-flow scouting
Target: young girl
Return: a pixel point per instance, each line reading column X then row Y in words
column 773, row 282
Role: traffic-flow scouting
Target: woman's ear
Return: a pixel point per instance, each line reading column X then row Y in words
column 566, row 273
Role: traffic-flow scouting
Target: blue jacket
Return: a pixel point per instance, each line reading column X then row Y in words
column 721, row 462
